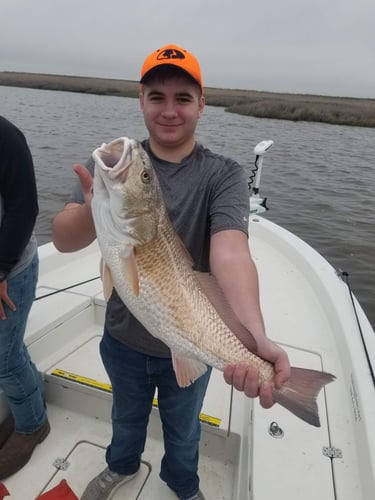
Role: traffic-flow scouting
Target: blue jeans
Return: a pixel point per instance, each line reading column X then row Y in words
column 19, row 378
column 134, row 377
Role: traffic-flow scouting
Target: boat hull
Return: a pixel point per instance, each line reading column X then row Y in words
column 247, row 453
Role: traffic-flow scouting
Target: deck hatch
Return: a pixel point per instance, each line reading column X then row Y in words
column 300, row 447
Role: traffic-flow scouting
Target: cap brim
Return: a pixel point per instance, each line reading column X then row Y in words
column 180, row 70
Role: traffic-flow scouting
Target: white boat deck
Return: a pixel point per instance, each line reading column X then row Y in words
column 63, row 336
column 240, row 459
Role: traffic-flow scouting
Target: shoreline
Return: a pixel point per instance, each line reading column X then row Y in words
column 349, row 111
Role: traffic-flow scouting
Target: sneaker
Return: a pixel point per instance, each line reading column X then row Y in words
column 198, row 496
column 105, row 485
column 18, row 449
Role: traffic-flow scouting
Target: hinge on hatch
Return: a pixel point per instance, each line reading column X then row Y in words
column 61, row 464
column 332, row 452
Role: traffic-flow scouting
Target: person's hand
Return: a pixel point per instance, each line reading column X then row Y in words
column 245, row 378
column 85, row 179
column 5, row 299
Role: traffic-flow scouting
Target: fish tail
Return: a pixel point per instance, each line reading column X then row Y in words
column 299, row 393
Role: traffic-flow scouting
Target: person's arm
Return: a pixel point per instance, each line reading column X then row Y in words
column 73, row 228
column 235, row 271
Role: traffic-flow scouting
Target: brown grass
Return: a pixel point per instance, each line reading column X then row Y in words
column 296, row 107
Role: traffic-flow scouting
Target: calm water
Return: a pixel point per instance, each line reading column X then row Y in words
column 319, row 179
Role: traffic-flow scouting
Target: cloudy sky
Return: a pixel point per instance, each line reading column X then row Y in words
column 300, row 46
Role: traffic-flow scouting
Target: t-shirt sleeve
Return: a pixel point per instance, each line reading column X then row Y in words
column 230, row 206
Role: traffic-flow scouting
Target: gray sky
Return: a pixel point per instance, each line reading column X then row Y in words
column 322, row 47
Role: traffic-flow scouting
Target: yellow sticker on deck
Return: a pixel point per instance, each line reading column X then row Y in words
column 79, row 379
column 82, row 380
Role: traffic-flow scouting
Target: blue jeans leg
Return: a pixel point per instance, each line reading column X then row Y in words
column 132, row 393
column 19, row 378
column 134, row 377
column 179, row 412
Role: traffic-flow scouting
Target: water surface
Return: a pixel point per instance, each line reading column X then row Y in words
column 319, row 179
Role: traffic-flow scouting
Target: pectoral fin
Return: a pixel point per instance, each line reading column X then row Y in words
column 129, row 267
column 187, row 370
column 106, row 276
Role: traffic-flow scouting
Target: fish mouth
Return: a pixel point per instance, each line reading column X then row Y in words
column 116, row 157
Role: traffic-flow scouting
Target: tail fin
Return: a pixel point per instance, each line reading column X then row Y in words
column 299, row 393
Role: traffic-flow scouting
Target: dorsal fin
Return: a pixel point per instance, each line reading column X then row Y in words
column 216, row 296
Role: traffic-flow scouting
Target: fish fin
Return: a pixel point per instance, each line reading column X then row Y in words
column 106, row 276
column 187, row 370
column 217, row 298
column 299, row 393
column 129, row 265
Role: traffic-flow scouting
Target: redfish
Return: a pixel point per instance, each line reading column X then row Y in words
column 152, row 272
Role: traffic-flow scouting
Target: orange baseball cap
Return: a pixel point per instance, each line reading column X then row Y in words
column 173, row 55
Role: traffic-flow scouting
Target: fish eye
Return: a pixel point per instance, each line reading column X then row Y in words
column 146, row 177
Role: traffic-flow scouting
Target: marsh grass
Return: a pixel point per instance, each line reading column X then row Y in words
column 357, row 114
column 296, row 107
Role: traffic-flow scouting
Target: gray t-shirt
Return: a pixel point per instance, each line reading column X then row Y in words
column 204, row 194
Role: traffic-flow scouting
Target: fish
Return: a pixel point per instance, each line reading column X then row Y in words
column 152, row 271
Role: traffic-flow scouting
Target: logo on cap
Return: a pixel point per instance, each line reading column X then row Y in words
column 170, row 54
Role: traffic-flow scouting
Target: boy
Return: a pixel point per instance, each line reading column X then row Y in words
column 207, row 200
